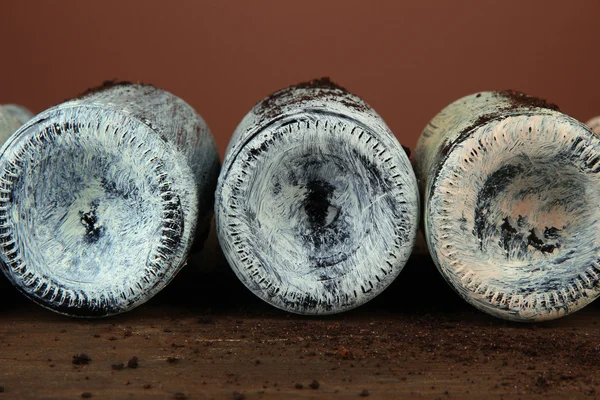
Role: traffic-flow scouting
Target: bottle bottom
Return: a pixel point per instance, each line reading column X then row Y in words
column 513, row 217
column 91, row 222
column 317, row 216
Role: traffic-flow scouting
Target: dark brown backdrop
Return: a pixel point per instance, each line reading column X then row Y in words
column 408, row 59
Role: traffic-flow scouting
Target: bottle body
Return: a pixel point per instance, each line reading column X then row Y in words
column 510, row 187
column 101, row 197
column 317, row 206
column 12, row 117
column 594, row 124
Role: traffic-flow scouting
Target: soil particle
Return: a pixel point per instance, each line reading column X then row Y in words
column 364, row 393
column 1, row 389
column 106, row 85
column 81, row 359
column 238, row 396
column 86, row 395
column 522, row 100
column 133, row 362
column 314, row 384
column 299, row 386
column 172, row 360
column 322, row 88
column 180, row 396
column 320, row 83
column 540, row 381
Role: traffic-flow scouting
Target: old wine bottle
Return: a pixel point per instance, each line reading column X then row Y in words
column 317, row 204
column 100, row 198
column 511, row 189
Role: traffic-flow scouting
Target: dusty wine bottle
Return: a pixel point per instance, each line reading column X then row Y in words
column 317, row 204
column 101, row 197
column 511, row 188
column 12, row 117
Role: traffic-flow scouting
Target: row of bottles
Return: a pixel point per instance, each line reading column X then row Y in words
column 316, row 204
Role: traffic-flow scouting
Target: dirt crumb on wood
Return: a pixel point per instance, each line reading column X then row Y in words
column 81, row 359
column 133, row 362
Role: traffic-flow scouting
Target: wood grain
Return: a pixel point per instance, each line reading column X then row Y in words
column 222, row 343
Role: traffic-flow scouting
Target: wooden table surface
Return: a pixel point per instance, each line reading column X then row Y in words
column 207, row 337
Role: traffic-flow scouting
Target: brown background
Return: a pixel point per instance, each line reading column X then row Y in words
column 408, row 59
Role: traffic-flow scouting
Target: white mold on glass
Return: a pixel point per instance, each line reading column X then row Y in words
column 317, row 204
column 11, row 118
column 594, row 124
column 101, row 196
column 511, row 189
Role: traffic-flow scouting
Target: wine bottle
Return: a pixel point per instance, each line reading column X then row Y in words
column 101, row 197
column 12, row 117
column 317, row 204
column 511, row 189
